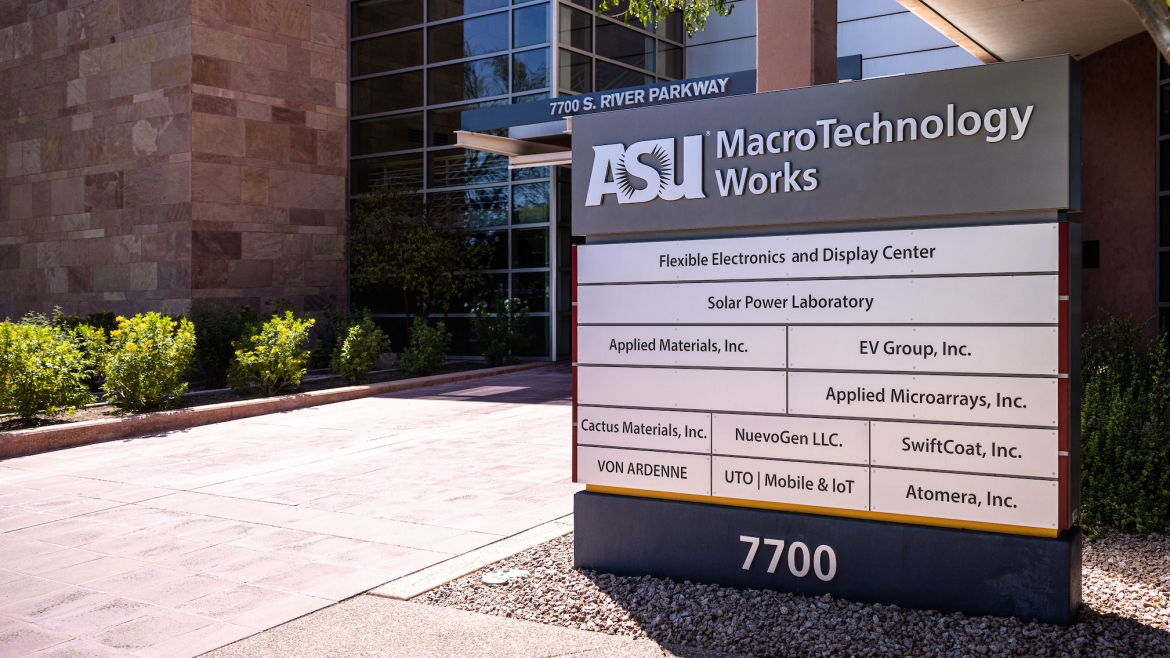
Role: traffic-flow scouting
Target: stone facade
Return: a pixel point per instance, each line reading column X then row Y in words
column 155, row 151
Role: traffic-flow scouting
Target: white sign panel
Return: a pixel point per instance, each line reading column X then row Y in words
column 993, row 350
column 945, row 300
column 981, row 498
column 638, row 469
column 676, row 431
column 712, row 347
column 975, row 250
column 965, row 448
column 909, row 373
column 696, row 389
column 789, row 437
column 795, row 483
column 947, row 398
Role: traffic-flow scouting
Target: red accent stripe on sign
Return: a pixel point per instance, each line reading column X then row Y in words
column 1064, row 264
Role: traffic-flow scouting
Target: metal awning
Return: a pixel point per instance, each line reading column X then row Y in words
column 521, row 153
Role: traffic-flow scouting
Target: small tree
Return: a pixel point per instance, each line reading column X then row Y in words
column 650, row 12
column 502, row 337
column 394, row 236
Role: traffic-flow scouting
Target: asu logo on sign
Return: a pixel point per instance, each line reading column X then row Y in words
column 618, row 170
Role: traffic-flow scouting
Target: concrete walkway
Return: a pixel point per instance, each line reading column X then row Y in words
column 176, row 544
column 374, row 627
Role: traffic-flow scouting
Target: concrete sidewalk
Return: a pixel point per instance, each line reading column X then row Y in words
column 372, row 627
column 173, row 545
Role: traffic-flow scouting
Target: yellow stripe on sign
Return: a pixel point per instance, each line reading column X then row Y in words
column 829, row 511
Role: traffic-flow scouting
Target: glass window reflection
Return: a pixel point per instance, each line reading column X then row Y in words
column 576, row 72
column 625, row 45
column 531, row 288
column 387, row 93
column 373, row 16
column 612, row 76
column 393, row 133
column 443, row 123
column 530, row 70
column 670, row 60
column 575, row 28
column 474, row 36
column 483, row 206
column 368, row 173
column 468, row 80
column 530, row 203
column 530, row 247
column 529, row 26
column 397, row 51
column 440, row 9
column 497, row 241
column 452, row 167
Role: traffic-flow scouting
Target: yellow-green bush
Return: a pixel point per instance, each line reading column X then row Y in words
column 144, row 361
column 273, row 357
column 41, row 368
column 355, row 354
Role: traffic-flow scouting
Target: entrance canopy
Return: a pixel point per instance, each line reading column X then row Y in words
column 538, row 133
column 1009, row 30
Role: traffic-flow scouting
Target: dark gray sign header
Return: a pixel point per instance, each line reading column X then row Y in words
column 1003, row 138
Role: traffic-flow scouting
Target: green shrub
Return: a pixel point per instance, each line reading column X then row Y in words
column 272, row 357
column 218, row 326
column 41, row 368
column 427, row 349
column 502, row 337
column 1125, row 429
column 329, row 334
column 355, row 355
column 145, row 359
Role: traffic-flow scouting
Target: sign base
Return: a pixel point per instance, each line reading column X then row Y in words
column 912, row 566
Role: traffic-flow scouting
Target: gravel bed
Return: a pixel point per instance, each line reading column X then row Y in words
column 1126, row 585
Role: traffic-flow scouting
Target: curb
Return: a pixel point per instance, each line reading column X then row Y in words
column 420, row 582
column 70, row 435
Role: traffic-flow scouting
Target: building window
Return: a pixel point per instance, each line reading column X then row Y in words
column 601, row 51
column 417, row 65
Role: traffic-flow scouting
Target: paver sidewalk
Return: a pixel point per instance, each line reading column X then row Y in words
column 176, row 544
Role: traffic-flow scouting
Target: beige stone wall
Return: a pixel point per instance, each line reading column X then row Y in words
column 269, row 156
column 152, row 151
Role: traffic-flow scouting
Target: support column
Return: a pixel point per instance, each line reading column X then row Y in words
column 796, row 43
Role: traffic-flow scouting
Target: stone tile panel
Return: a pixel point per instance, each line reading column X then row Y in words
column 217, row 134
column 219, row 44
column 303, row 145
column 249, row 274
column 254, row 186
column 213, row 105
column 215, row 245
column 267, row 54
column 211, row 71
column 215, row 183
column 251, row 79
column 267, row 141
column 262, row 246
